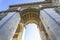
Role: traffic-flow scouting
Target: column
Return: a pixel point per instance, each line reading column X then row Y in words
column 8, row 25
column 42, row 31
column 19, row 32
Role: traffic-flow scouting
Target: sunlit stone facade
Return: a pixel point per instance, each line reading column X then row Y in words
column 14, row 20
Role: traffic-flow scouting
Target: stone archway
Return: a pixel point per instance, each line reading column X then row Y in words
column 31, row 15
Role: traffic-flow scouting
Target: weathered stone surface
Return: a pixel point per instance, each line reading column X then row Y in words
column 50, row 20
column 8, row 26
column 2, row 15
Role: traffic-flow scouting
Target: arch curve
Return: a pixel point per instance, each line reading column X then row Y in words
column 30, row 15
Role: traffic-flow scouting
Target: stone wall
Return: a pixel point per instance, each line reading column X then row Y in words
column 57, row 3
column 2, row 15
column 51, row 21
column 8, row 25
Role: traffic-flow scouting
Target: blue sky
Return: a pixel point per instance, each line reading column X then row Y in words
column 31, row 32
column 4, row 4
